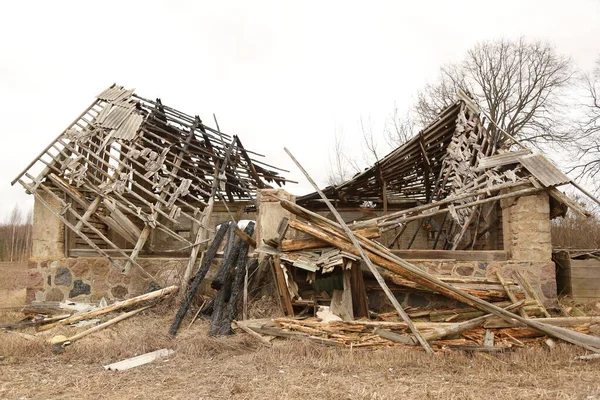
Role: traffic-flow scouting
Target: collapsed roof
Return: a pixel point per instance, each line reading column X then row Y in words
column 452, row 151
column 136, row 164
column 454, row 165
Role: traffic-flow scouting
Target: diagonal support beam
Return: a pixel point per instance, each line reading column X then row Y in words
column 366, row 259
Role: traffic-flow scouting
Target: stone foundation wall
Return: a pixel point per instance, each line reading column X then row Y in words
column 91, row 279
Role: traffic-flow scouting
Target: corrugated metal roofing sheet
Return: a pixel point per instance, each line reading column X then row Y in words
column 543, row 170
column 129, row 128
column 115, row 117
column 115, row 93
column 511, row 157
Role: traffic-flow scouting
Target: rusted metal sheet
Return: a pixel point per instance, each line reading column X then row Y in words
column 543, row 170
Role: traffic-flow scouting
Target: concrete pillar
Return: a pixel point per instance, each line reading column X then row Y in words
column 270, row 214
column 526, row 228
column 48, row 235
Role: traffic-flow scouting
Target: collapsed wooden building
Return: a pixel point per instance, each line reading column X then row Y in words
column 453, row 224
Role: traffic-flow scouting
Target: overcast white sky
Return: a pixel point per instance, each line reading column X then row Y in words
column 276, row 73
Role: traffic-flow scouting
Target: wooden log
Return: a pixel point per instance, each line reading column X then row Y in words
column 230, row 255
column 312, row 243
column 106, row 324
column 360, row 302
column 252, row 333
column 393, row 336
column 358, row 250
column 193, row 289
column 34, row 322
column 456, row 329
column 510, row 293
column 333, row 233
column 237, row 285
column 555, row 321
column 113, row 307
column 218, row 317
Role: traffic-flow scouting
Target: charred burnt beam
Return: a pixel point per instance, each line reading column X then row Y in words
column 200, row 275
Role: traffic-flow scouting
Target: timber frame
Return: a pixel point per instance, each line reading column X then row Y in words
column 450, row 180
column 128, row 166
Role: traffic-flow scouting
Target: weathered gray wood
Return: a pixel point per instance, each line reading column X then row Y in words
column 350, row 235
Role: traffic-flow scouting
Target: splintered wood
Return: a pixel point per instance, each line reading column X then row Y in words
column 379, row 334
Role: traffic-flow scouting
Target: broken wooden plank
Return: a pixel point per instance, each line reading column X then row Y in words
column 250, row 332
column 284, row 293
column 106, row 324
column 358, row 249
column 488, row 338
column 113, row 307
column 139, row 360
column 312, row 243
column 333, row 233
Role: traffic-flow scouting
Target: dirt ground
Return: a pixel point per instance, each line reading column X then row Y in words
column 237, row 367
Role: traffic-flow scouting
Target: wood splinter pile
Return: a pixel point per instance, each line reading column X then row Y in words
column 508, row 323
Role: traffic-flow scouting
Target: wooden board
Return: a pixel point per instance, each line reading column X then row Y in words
column 458, row 255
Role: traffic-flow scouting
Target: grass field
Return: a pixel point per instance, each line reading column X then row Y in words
column 238, row 368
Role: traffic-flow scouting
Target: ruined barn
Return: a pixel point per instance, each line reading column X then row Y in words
column 129, row 197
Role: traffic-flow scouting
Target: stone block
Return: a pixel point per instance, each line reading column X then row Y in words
column 96, row 296
column 101, row 267
column 464, row 270
column 55, row 294
column 114, row 276
column 79, row 288
column 34, row 278
column 549, row 289
column 81, row 268
column 119, row 292
column 63, row 277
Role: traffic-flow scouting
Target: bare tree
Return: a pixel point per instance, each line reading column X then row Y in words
column 16, row 236
column 399, row 129
column 588, row 146
column 339, row 164
column 518, row 84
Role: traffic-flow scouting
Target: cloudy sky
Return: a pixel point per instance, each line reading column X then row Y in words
column 276, row 73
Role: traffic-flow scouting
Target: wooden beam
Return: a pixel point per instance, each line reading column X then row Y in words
column 358, row 249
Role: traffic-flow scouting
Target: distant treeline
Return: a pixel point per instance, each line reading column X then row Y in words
column 15, row 235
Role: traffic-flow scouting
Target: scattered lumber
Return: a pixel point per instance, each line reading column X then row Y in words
column 334, row 234
column 358, row 250
column 97, row 328
column 139, row 360
column 34, row 322
column 157, row 294
column 245, row 328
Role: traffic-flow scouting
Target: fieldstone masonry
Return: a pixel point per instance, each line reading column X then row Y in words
column 52, row 277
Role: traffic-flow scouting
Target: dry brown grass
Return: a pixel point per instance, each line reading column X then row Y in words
column 13, row 275
column 237, row 368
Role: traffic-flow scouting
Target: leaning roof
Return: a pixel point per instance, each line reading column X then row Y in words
column 123, row 136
